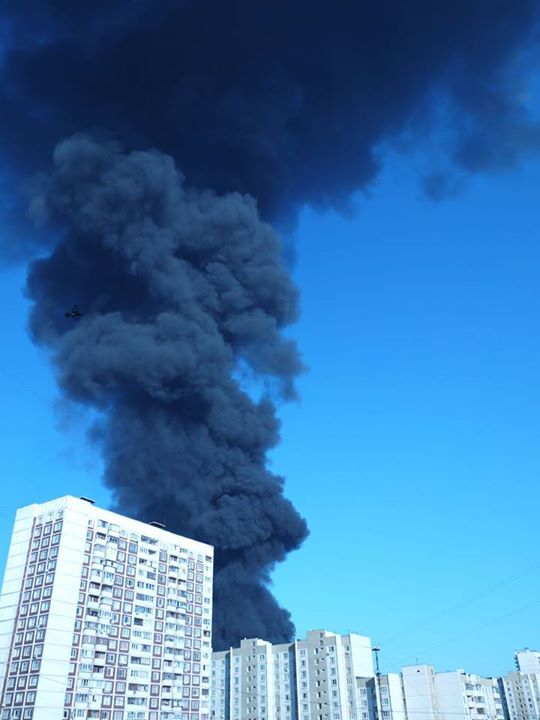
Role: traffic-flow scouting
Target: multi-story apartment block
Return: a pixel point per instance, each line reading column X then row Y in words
column 527, row 661
column 521, row 695
column 327, row 666
column 447, row 695
column 103, row 617
column 285, row 682
column 251, row 681
column 381, row 697
column 475, row 697
column 420, row 692
column 521, row 689
column 310, row 679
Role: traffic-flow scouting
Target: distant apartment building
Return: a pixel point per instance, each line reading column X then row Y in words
column 521, row 688
column 521, row 695
column 381, row 698
column 448, row 695
column 473, row 696
column 310, row 679
column 252, row 681
column 104, row 617
column 527, row 661
column 420, row 692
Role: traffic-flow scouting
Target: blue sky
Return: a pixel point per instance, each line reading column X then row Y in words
column 413, row 451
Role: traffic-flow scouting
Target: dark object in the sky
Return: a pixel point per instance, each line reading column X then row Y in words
column 303, row 121
column 74, row 313
column 188, row 288
column 289, row 102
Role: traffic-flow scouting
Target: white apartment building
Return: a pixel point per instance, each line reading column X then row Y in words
column 104, row 617
column 521, row 689
column 447, row 695
column 310, row 679
column 522, row 695
column 244, row 685
column 381, row 698
column 420, row 693
column 527, row 661
column 475, row 697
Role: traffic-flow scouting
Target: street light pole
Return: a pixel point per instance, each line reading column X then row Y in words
column 376, row 650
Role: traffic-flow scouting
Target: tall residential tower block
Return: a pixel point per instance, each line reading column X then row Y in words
column 310, row 679
column 104, row 617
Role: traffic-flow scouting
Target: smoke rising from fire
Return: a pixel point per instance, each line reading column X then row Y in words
column 180, row 289
column 264, row 107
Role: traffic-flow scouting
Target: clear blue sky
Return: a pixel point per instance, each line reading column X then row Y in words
column 414, row 450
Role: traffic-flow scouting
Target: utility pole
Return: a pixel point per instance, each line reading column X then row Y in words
column 376, row 650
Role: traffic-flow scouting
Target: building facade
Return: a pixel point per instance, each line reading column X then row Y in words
column 104, row 617
column 381, row 697
column 420, row 692
column 521, row 689
column 473, row 696
column 310, row 679
column 521, row 695
column 444, row 696
column 527, row 661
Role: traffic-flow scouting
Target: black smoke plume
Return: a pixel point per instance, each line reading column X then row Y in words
column 185, row 292
column 286, row 100
column 182, row 290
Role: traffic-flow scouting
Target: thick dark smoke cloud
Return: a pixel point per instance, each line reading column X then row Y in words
column 284, row 99
column 180, row 289
column 185, row 292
